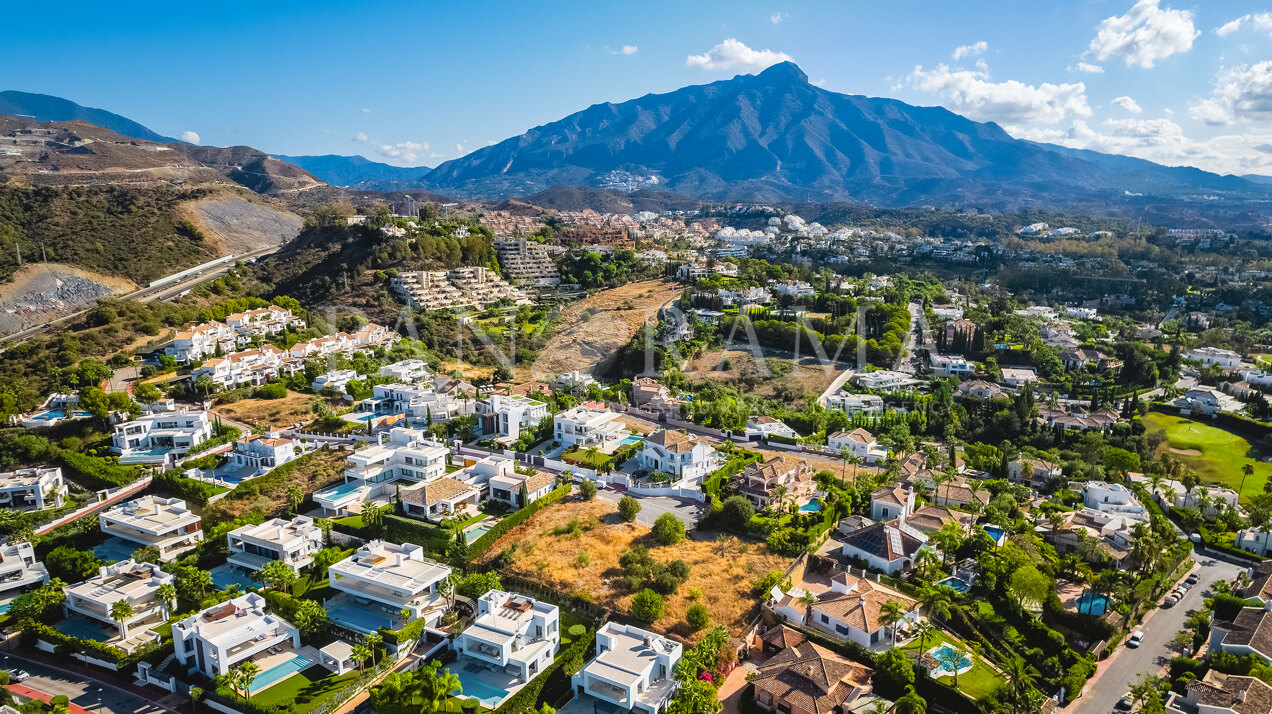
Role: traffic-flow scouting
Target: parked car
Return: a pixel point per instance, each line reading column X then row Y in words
column 18, row 675
column 1125, row 703
column 1135, row 639
column 1170, row 601
column 1192, row 579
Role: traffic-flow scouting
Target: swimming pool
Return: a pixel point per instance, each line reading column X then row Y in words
column 359, row 619
column 994, row 532
column 114, row 549
column 631, row 440
column 360, row 418
column 474, row 533
column 956, row 584
column 4, row 607
column 223, row 576
column 83, row 629
column 484, row 692
column 811, row 507
column 1090, row 603
column 340, row 491
column 950, row 659
column 278, row 672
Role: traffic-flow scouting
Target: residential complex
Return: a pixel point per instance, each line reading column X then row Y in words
column 165, row 524
column 238, row 329
column 462, row 287
column 527, row 262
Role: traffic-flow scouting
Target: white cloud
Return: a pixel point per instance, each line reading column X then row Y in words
column 1243, row 92
column 777, row 17
column 1145, row 34
column 361, row 137
column 1087, row 68
column 733, row 55
column 190, row 137
column 366, row 111
column 1163, row 141
column 629, row 49
column 1128, row 104
column 459, row 149
column 972, row 93
column 972, row 50
column 1261, row 21
column 405, row 151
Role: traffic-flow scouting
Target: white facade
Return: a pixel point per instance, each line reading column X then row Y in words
column 220, row 637
column 588, row 425
column 393, row 578
column 766, row 426
column 512, row 631
column 160, row 438
column 883, row 379
column 633, row 669
column 678, row 454
column 165, row 524
column 860, row 442
column 506, row 416
column 1213, row 355
column 336, row 380
column 950, row 366
column 293, row 542
column 19, row 570
column 1019, row 376
column 407, row 371
column 1113, row 498
column 262, row 454
column 407, row 454
column 851, row 404
column 32, row 489
column 202, row 341
column 134, row 583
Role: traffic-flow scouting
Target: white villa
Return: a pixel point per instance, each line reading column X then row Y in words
column 860, row 442
column 950, row 366
column 235, row 631
column 678, row 454
column 516, row 633
column 758, row 427
column 134, row 583
column 421, row 404
column 293, row 542
column 851, row 404
column 336, row 380
column 381, row 580
column 505, row 416
column 633, row 669
column 32, row 489
column 588, row 425
column 408, row 371
column 262, row 454
column 165, row 524
column 1214, row 355
column 401, row 455
column 1113, row 498
column 19, row 570
column 507, row 487
column 850, row 610
column 160, row 438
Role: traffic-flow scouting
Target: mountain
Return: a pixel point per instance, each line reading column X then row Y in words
column 252, row 168
column 43, row 107
column 361, row 173
column 776, row 137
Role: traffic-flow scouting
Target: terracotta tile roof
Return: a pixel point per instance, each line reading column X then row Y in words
column 435, row 491
column 1261, row 583
column 1244, row 695
column 891, row 495
column 862, row 605
column 931, row 518
column 538, row 481
column 675, row 442
column 813, row 679
column 783, row 637
column 1252, row 627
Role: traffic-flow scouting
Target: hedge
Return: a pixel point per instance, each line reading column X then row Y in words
column 401, row 529
column 528, row 696
column 224, row 435
column 122, row 660
column 96, row 473
column 172, row 483
column 478, row 548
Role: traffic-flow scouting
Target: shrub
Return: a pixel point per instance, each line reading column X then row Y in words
column 737, row 511
column 770, row 579
column 697, row 616
column 668, row 530
column 576, row 631
column 273, row 390
column 647, row 606
column 587, row 489
column 628, row 508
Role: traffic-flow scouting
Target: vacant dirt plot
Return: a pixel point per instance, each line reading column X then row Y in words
column 593, row 329
column 724, row 579
column 237, row 225
column 291, row 409
column 778, row 375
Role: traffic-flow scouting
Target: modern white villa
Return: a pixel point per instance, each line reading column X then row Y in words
column 520, row 490
column 381, row 580
column 336, row 380
column 293, row 542
column 160, row 438
column 515, row 633
column 231, row 632
column 588, row 425
column 504, row 417
column 408, row 371
column 261, row 454
column 19, row 570
column 165, row 524
column 402, row 456
column 134, row 583
column 633, row 669
column 33, row 489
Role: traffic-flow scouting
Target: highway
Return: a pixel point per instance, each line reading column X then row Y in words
column 146, row 294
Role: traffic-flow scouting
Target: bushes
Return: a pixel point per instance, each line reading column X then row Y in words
column 647, row 605
column 641, row 570
column 273, row 390
column 173, row 484
column 478, row 548
column 223, row 435
column 96, row 473
column 65, row 643
column 588, row 489
column 697, row 617
column 628, row 508
column 668, row 530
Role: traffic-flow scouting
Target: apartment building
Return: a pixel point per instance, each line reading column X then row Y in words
column 32, row 489
column 512, row 632
column 160, row 438
column 19, row 570
column 381, row 580
column 264, row 321
column 474, row 286
column 527, row 262
column 165, row 524
column 504, row 417
column 336, row 380
column 202, row 341
column 401, row 454
column 588, row 425
column 220, row 637
column 633, row 669
column 134, row 583
column 247, row 368
column 293, row 542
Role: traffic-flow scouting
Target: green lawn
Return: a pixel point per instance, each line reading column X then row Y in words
column 1219, row 456
column 977, row 682
column 307, row 689
column 585, row 457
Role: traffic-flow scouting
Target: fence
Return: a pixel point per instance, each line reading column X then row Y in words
column 695, row 494
column 107, row 498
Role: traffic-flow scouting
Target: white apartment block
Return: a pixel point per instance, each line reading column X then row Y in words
column 264, row 321
column 421, row 404
column 390, row 577
column 336, row 380
column 527, row 262
column 633, row 669
column 588, row 425
column 293, row 542
column 851, row 404
column 165, row 524
column 160, row 438
column 249, row 367
column 513, row 631
column 33, row 489
column 505, row 416
column 462, row 287
column 218, row 638
column 263, row 454
column 202, row 341
column 401, row 454
column 19, row 570
column 408, row 371
column 1213, row 355
column 134, row 583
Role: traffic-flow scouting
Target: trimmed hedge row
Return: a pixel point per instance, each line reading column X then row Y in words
column 225, row 435
column 478, row 548
column 171, row 483
column 66, row 643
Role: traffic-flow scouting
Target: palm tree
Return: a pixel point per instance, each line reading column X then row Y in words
column 779, row 497
column 937, row 603
column 373, row 641
column 844, row 454
column 808, row 599
column 925, row 561
column 361, row 653
column 196, row 693
column 121, row 610
column 242, row 676
column 1019, row 678
column 890, row 613
column 923, row 630
column 166, row 593
column 910, row 702
column 1246, row 471
column 445, row 682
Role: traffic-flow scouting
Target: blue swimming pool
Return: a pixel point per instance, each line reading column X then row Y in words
column 811, row 507
column 956, row 584
column 278, row 673
column 83, row 629
column 360, row 418
column 994, row 532
column 473, row 534
column 1090, row 603
column 340, row 491
column 223, row 576
column 359, row 619
column 487, row 694
column 4, row 607
column 114, row 549
column 951, row 659
column 631, row 440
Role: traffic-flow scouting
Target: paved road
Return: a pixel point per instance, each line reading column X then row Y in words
column 80, row 690
column 1127, row 665
column 651, row 507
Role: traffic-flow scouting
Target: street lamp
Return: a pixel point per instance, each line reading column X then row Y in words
column 99, row 699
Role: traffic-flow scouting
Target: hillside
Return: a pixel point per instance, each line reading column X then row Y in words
column 360, row 173
column 252, row 168
column 774, row 137
column 45, row 108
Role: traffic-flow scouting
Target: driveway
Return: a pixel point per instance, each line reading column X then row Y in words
column 96, row 696
column 1116, row 674
column 651, row 507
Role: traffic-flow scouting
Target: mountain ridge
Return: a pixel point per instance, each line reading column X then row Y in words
column 47, row 108
column 359, row 172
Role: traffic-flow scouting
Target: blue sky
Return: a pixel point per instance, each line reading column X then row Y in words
column 419, row 83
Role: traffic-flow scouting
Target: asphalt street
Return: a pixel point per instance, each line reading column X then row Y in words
column 96, row 696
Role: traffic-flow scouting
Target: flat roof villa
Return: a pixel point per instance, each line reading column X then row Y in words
column 220, row 637
column 589, row 424
column 403, row 456
column 516, row 634
column 160, row 438
column 293, row 542
column 32, row 489
column 165, row 524
column 408, row 371
column 19, row 570
column 88, row 605
column 381, row 580
column 633, row 669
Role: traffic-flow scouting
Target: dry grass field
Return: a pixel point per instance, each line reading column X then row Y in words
column 724, row 578
column 593, row 329
column 291, row 409
column 324, row 468
column 781, row 374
